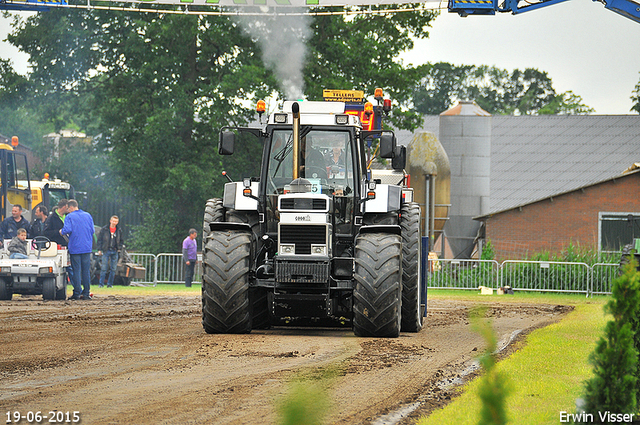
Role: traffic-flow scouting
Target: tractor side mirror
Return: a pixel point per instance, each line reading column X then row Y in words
column 226, row 143
column 399, row 160
column 387, row 145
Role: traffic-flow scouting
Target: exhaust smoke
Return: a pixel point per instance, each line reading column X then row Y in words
column 282, row 39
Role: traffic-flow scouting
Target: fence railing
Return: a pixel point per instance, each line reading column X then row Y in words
column 164, row 268
column 542, row 276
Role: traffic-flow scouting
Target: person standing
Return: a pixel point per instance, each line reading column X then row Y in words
column 110, row 242
column 55, row 222
column 10, row 225
column 189, row 256
column 78, row 226
column 37, row 225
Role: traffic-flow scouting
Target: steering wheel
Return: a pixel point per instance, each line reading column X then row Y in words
column 41, row 243
column 321, row 172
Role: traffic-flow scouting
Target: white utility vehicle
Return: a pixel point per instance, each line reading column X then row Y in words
column 44, row 272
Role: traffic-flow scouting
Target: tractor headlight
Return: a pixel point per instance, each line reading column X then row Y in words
column 287, row 249
column 280, row 118
column 318, row 250
column 45, row 270
column 342, row 119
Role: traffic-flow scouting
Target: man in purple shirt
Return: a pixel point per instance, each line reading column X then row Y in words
column 189, row 256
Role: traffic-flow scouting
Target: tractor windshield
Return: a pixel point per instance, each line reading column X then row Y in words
column 326, row 160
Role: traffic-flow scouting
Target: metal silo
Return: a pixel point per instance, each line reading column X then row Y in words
column 465, row 134
column 428, row 166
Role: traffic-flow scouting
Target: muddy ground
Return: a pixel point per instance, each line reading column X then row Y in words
column 147, row 360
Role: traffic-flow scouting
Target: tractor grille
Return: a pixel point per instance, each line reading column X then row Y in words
column 303, row 236
column 298, row 272
column 315, row 204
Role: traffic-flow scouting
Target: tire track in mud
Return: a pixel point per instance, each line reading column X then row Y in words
column 147, row 360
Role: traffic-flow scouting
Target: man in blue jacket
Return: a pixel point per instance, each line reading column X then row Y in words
column 78, row 225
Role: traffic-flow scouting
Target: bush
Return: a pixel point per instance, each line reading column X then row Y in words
column 493, row 387
column 614, row 386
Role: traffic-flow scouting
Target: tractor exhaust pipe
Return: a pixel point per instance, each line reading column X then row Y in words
column 295, row 108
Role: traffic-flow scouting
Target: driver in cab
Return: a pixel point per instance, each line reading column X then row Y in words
column 312, row 162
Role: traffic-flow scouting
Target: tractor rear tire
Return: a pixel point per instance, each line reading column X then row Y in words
column 5, row 291
column 377, row 296
column 49, row 288
column 260, row 318
column 213, row 213
column 226, row 307
column 411, row 263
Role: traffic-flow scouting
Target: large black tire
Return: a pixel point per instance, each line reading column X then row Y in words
column 226, row 307
column 5, row 291
column 377, row 297
column 410, row 215
column 260, row 318
column 213, row 213
column 49, row 288
column 625, row 258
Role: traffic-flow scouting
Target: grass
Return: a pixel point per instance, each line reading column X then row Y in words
column 546, row 373
column 165, row 289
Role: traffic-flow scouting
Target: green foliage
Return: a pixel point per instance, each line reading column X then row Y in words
column 497, row 91
column 614, row 386
column 360, row 52
column 306, row 402
column 154, row 91
column 488, row 252
column 493, row 387
column 635, row 97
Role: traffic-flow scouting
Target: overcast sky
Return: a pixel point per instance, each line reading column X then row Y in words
column 583, row 46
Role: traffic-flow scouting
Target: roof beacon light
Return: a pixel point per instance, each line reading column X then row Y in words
column 14, row 141
column 46, row 176
column 368, row 108
column 261, row 107
column 378, row 94
column 386, row 106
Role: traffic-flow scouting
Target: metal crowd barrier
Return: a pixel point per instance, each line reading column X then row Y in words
column 164, row 268
column 520, row 275
column 541, row 276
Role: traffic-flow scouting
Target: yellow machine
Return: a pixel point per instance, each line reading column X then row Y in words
column 16, row 188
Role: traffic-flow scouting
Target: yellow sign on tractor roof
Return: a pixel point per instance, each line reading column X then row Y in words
column 350, row 96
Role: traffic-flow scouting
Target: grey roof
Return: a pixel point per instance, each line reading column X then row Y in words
column 535, row 157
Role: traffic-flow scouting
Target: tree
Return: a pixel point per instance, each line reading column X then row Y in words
column 497, row 91
column 613, row 387
column 158, row 88
column 636, row 98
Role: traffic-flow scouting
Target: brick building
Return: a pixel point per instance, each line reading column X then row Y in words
column 603, row 215
column 556, row 180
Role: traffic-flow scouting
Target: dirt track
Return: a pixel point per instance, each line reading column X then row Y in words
column 148, row 361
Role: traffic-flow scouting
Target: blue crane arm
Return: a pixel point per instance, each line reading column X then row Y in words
column 627, row 8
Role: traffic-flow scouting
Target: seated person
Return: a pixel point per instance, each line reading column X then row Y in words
column 312, row 160
column 335, row 157
column 18, row 245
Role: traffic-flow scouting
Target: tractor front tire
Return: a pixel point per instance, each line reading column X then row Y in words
column 226, row 307
column 411, row 262
column 377, row 296
column 213, row 213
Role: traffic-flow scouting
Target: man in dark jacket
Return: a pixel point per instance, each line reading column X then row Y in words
column 9, row 227
column 55, row 222
column 110, row 242
column 37, row 225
